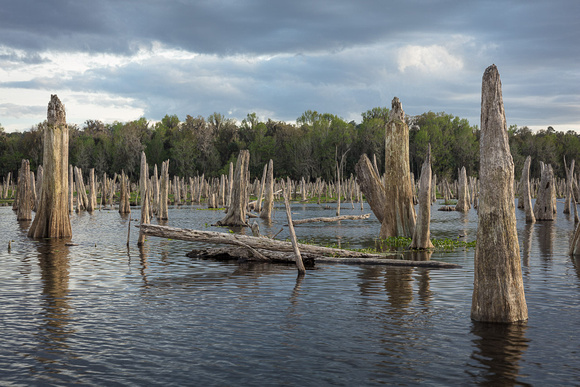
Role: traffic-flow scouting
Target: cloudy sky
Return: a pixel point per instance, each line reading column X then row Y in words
column 124, row 59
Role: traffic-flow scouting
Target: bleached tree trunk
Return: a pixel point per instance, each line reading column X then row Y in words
column 70, row 189
column 145, row 219
column 569, row 181
column 422, row 234
column 155, row 184
column 498, row 291
column 526, row 197
column 372, row 186
column 399, row 210
column 91, row 204
column 24, row 211
column 297, row 255
column 230, row 184
column 162, row 213
column 266, row 212
column 236, row 215
column 463, row 204
column 124, row 205
column 262, row 187
column 544, row 206
column 38, row 193
column 52, row 218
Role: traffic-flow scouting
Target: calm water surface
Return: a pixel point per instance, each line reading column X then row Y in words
column 99, row 313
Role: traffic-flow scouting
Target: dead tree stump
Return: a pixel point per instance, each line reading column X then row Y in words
column 372, row 186
column 463, row 201
column 52, row 217
column 162, row 212
column 569, row 182
column 236, row 215
column 24, row 210
column 544, row 206
column 266, row 212
column 124, row 204
column 399, row 210
column 498, row 291
column 422, row 234
column 525, row 190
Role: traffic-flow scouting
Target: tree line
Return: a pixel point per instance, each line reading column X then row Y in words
column 312, row 148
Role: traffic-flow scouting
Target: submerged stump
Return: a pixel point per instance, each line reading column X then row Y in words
column 236, row 215
column 498, row 291
column 422, row 234
column 52, row 216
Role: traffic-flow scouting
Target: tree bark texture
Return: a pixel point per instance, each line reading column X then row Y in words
column 422, row 233
column 399, row 212
column 24, row 211
column 124, row 205
column 498, row 292
column 295, row 248
column 236, row 215
column 266, row 211
column 525, row 189
column 372, row 186
column 162, row 211
column 569, row 181
column 544, row 206
column 331, row 219
column 52, row 218
column 463, row 202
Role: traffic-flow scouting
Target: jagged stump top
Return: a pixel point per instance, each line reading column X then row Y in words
column 397, row 112
column 56, row 114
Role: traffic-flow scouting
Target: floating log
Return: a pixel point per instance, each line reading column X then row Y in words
column 241, row 255
column 331, row 219
column 324, row 254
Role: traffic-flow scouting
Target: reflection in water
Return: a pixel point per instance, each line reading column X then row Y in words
column 54, row 267
column 399, row 286
column 143, row 253
column 425, row 293
column 498, row 349
column 545, row 239
column 419, row 255
column 527, row 243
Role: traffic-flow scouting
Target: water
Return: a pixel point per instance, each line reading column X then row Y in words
column 98, row 313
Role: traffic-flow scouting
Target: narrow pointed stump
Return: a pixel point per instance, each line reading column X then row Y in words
column 544, row 206
column 52, row 217
column 24, row 211
column 145, row 219
column 92, row 202
column 498, row 291
column 525, row 189
column 70, row 189
column 569, row 182
column 268, row 205
column 463, row 201
column 422, row 234
column 297, row 255
column 236, row 215
column 124, row 205
column 399, row 210
column 262, row 187
column 162, row 210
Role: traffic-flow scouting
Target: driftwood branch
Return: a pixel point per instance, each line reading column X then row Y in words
column 331, row 219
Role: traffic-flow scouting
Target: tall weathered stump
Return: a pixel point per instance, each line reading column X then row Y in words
column 498, row 291
column 399, row 210
column 422, row 234
column 52, row 216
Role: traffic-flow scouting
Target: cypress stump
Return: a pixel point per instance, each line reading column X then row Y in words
column 52, row 216
column 399, row 212
column 498, row 291
column 422, row 234
column 236, row 215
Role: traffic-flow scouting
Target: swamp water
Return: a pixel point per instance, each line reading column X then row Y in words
column 98, row 313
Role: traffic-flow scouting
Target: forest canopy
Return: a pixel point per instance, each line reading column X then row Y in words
column 311, row 148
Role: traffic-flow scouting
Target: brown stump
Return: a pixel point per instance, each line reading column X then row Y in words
column 422, row 234
column 399, row 210
column 124, row 205
column 52, row 217
column 498, row 291
column 236, row 215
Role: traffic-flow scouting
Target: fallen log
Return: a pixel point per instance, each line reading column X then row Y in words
column 271, row 247
column 309, row 259
column 331, row 219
